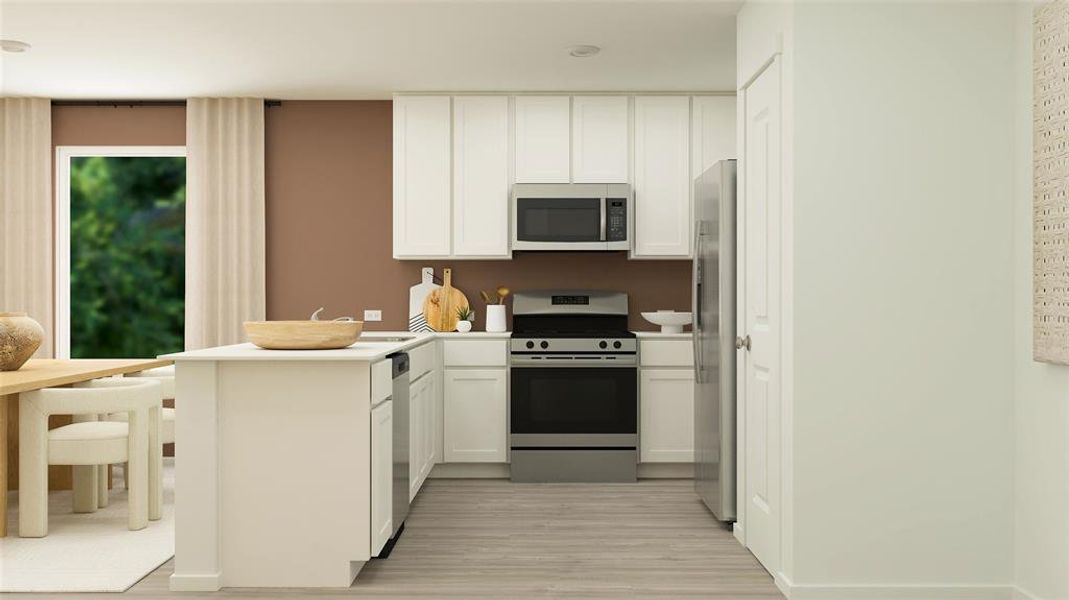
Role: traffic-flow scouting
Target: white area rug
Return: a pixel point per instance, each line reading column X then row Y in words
column 87, row 552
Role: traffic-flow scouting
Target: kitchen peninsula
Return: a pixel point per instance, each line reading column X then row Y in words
column 276, row 460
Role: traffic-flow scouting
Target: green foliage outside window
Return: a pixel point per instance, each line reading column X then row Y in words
column 127, row 256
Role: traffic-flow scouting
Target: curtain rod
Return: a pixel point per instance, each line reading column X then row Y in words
column 133, row 103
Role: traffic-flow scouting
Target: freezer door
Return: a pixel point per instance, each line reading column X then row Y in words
column 714, row 334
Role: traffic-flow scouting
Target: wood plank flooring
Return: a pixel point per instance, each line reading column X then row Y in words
column 495, row 539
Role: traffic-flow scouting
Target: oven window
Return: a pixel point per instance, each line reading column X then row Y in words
column 574, row 400
column 558, row 219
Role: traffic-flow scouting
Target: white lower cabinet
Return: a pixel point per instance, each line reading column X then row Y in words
column 381, row 475
column 667, row 426
column 475, row 427
column 422, row 440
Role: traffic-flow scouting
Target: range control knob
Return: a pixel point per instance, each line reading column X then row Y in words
column 617, row 344
column 544, row 345
column 603, row 344
column 530, row 344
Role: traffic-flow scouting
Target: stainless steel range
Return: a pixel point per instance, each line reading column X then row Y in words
column 574, row 387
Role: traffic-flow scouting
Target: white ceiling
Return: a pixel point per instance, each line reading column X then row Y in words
column 302, row 49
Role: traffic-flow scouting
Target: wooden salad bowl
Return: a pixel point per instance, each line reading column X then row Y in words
column 303, row 335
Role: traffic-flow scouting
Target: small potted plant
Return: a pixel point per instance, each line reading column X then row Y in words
column 495, row 309
column 464, row 317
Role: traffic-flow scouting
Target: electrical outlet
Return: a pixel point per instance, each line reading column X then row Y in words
column 372, row 315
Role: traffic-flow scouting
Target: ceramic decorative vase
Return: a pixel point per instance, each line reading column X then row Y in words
column 495, row 318
column 463, row 326
column 20, row 336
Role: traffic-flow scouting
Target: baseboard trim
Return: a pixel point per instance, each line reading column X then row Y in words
column 666, row 471
column 896, row 592
column 196, row 583
column 470, row 471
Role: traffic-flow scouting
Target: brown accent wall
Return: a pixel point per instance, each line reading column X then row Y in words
column 118, row 126
column 329, row 190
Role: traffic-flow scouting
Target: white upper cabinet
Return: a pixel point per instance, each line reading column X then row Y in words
column 663, row 214
column 712, row 130
column 422, row 174
column 543, row 144
column 600, row 139
column 481, row 176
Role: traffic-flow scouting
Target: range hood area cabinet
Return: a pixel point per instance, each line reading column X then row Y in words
column 456, row 158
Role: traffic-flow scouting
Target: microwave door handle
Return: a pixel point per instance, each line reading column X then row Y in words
column 603, row 203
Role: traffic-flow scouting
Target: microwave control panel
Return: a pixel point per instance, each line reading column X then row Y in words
column 616, row 220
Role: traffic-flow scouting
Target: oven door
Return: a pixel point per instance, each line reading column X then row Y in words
column 574, row 407
column 559, row 224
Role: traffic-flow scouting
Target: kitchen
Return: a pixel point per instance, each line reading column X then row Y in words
column 565, row 159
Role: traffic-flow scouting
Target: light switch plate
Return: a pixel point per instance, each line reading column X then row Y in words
column 372, row 315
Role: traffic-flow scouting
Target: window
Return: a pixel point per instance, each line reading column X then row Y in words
column 120, row 251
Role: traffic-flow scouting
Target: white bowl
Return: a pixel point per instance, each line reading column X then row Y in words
column 669, row 320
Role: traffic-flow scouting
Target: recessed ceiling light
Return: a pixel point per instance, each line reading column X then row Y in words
column 13, row 46
column 584, row 51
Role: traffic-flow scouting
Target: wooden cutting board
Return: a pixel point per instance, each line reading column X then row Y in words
column 417, row 294
column 440, row 307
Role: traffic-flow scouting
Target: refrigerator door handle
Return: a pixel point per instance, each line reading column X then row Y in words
column 697, row 303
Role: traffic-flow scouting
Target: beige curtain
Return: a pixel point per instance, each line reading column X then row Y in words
column 224, row 219
column 26, row 268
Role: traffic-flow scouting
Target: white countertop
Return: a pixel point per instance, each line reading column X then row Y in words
column 367, row 348
column 657, row 335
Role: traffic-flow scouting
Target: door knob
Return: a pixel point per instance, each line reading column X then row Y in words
column 742, row 342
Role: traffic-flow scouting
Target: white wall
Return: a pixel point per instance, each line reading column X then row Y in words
column 903, row 157
column 1041, row 390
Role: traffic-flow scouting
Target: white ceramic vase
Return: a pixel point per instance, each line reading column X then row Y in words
column 463, row 326
column 495, row 318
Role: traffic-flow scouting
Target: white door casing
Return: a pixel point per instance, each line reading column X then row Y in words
column 760, row 283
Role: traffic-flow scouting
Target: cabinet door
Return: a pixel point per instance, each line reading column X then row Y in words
column 422, row 176
column 667, row 428
column 480, row 176
column 430, row 419
column 712, row 131
column 599, row 139
column 381, row 475
column 542, row 139
column 663, row 214
column 416, row 408
column 475, row 409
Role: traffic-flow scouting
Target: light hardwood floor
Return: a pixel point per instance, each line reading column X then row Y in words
column 495, row 539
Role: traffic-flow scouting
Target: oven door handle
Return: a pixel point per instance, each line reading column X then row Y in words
column 629, row 363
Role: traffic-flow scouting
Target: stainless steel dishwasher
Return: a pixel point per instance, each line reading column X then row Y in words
column 400, row 448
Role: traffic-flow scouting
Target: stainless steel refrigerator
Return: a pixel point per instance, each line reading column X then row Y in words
column 714, row 338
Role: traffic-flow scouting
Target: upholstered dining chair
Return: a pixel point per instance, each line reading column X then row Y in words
column 89, row 445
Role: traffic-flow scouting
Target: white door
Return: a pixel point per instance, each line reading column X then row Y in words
column 542, row 128
column 481, row 176
column 666, row 398
column 599, row 139
column 663, row 216
column 475, row 415
column 422, row 176
column 760, row 286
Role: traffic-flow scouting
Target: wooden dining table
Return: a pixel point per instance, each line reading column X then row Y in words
column 43, row 373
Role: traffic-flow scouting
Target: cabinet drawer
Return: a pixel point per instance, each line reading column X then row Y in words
column 421, row 360
column 381, row 381
column 666, row 353
column 475, row 353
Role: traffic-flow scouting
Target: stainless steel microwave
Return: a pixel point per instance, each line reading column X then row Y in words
column 571, row 216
